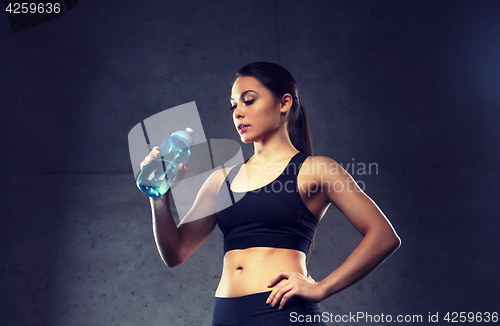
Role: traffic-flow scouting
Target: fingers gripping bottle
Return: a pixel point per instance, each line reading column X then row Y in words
column 156, row 177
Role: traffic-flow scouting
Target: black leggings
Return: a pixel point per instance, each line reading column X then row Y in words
column 252, row 310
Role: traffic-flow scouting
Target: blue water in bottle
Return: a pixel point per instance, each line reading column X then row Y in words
column 156, row 177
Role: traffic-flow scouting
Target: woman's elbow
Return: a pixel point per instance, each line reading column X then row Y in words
column 393, row 241
column 172, row 261
column 387, row 239
column 171, row 264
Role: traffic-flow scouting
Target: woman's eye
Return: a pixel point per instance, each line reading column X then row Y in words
column 249, row 102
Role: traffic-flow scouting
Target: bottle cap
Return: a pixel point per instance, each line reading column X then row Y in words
column 186, row 134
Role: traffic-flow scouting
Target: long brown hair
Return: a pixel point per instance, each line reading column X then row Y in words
column 280, row 82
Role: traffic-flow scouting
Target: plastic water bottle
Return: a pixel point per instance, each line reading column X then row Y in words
column 156, row 177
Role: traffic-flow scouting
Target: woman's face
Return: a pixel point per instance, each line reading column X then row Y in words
column 256, row 112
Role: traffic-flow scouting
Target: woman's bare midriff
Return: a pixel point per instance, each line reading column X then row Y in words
column 248, row 271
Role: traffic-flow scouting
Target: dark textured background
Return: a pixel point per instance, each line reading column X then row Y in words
column 410, row 85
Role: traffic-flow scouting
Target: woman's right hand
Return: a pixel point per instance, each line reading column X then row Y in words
column 153, row 155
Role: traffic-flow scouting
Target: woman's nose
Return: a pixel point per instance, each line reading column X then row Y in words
column 238, row 112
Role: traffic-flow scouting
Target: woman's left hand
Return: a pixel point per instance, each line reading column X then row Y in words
column 289, row 284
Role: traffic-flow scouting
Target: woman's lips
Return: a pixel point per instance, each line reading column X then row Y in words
column 242, row 128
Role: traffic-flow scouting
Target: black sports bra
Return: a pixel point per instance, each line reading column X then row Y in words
column 271, row 216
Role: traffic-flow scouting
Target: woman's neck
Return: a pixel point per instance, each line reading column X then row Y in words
column 274, row 148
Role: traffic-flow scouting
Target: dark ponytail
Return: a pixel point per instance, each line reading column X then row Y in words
column 280, row 82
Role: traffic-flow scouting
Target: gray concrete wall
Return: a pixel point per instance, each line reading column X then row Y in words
column 409, row 85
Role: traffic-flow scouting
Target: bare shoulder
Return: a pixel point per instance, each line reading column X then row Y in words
column 317, row 160
column 222, row 172
column 217, row 177
column 322, row 167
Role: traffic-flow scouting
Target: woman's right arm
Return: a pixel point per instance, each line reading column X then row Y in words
column 177, row 242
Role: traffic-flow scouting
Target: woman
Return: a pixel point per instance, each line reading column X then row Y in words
column 268, row 209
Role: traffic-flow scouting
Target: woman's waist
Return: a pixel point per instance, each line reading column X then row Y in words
column 250, row 271
column 263, row 258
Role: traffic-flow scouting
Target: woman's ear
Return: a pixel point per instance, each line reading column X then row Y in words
column 286, row 103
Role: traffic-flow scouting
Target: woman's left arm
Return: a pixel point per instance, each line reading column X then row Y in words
column 379, row 239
